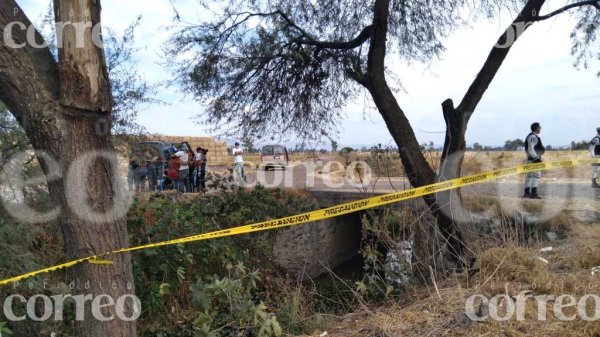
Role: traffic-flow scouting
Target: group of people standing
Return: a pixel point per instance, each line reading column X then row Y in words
column 186, row 170
column 535, row 150
column 181, row 170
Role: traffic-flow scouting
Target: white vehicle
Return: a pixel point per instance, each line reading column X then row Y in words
column 272, row 156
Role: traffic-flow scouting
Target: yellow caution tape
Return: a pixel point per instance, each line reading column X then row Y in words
column 100, row 262
column 325, row 213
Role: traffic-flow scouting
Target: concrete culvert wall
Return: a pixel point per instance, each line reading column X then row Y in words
column 315, row 248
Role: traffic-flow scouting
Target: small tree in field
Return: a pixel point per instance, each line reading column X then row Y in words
column 334, row 146
column 345, row 152
column 513, row 145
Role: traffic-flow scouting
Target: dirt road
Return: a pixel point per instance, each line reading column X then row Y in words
column 300, row 177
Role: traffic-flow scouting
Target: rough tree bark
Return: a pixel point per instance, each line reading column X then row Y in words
column 457, row 120
column 65, row 110
column 418, row 171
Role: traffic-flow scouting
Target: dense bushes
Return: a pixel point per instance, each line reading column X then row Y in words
column 214, row 288
column 211, row 284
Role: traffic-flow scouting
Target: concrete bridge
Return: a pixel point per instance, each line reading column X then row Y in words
column 317, row 247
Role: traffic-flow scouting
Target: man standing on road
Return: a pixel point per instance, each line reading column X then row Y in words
column 595, row 152
column 535, row 149
column 239, row 160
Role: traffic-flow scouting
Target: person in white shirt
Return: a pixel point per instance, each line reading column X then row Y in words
column 595, row 153
column 238, row 160
column 534, row 149
column 184, row 169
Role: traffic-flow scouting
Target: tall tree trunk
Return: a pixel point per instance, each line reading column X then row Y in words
column 65, row 109
column 417, row 169
column 457, row 120
column 452, row 218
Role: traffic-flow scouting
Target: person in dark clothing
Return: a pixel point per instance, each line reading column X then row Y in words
column 203, row 170
column 154, row 170
column 131, row 174
column 140, row 174
column 192, row 172
column 200, row 163
column 535, row 150
column 166, row 183
column 595, row 153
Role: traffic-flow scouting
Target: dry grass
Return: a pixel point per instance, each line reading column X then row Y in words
column 476, row 162
column 501, row 271
column 254, row 158
column 586, row 247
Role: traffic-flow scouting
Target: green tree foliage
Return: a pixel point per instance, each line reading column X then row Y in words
column 581, row 145
column 345, row 152
column 131, row 92
column 283, row 63
column 12, row 137
column 334, row 145
column 248, row 144
column 232, row 299
column 513, row 145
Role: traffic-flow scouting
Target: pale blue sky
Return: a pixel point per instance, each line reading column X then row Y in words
column 537, row 82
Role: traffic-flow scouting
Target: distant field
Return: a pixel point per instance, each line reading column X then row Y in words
column 483, row 161
column 255, row 157
column 388, row 164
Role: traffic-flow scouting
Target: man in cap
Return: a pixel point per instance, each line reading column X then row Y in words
column 595, row 153
column 534, row 149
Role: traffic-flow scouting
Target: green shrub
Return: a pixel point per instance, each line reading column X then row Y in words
column 383, row 230
column 4, row 330
column 228, row 306
column 164, row 276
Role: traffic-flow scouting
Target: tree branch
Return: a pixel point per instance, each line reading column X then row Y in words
column 526, row 18
column 293, row 24
column 497, row 56
column 594, row 3
column 361, row 38
column 376, row 56
column 305, row 38
column 28, row 75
